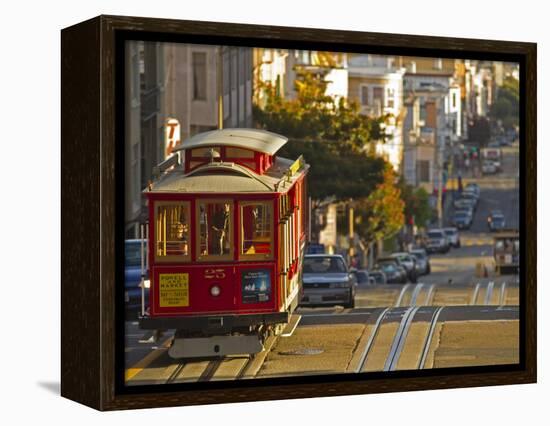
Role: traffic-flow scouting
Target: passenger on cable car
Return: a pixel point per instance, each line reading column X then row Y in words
column 221, row 225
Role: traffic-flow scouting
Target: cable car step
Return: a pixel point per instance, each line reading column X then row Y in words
column 291, row 326
column 200, row 347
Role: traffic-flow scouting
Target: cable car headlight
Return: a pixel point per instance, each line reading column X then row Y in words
column 146, row 283
column 215, row 290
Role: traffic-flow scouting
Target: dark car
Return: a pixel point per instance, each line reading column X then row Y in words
column 395, row 273
column 132, row 277
column 497, row 223
column 326, row 280
column 361, row 276
column 377, row 276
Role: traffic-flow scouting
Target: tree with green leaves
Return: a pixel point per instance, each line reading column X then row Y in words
column 417, row 207
column 336, row 140
column 480, row 131
column 506, row 105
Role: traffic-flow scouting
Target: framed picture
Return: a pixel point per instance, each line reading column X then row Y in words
column 254, row 212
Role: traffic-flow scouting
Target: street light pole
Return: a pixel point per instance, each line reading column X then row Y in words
column 219, row 72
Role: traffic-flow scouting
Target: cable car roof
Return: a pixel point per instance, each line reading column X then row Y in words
column 254, row 139
column 219, row 177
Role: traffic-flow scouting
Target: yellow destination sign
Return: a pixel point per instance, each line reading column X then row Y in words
column 297, row 165
column 173, row 290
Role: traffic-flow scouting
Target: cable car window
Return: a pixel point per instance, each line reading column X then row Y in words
column 172, row 222
column 215, row 229
column 256, row 230
column 205, row 152
column 238, row 153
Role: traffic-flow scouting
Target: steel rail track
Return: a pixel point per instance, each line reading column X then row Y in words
column 502, row 296
column 399, row 339
column 489, row 292
column 175, row 373
column 429, row 336
column 416, row 292
column 210, row 370
column 400, row 298
column 370, row 342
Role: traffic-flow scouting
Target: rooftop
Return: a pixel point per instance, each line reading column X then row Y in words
column 254, row 139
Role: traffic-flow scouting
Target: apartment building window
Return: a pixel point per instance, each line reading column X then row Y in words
column 438, row 63
column 199, row 76
column 390, row 97
column 423, row 170
column 454, row 99
column 378, row 95
column 364, row 95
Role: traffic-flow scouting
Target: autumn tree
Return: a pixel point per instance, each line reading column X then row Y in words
column 381, row 214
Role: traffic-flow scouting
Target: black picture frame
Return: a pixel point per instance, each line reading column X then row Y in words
column 92, row 210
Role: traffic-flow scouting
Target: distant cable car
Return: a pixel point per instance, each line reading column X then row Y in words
column 226, row 238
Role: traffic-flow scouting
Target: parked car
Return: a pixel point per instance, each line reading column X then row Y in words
column 473, row 187
column 377, row 276
column 462, row 219
column 497, row 222
column 361, row 276
column 327, row 280
column 409, row 263
column 395, row 273
column 471, row 191
column 469, row 210
column 489, row 167
column 470, row 194
column 452, row 236
column 132, row 277
column 422, row 261
column 437, row 241
column 465, row 202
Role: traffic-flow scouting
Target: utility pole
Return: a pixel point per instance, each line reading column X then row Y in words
column 351, row 234
column 219, row 72
column 440, row 186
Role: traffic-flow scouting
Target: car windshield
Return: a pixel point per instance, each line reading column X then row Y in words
column 402, row 258
column 450, row 232
column 132, row 253
column 435, row 234
column 387, row 267
column 498, row 219
column 314, row 265
column 460, row 213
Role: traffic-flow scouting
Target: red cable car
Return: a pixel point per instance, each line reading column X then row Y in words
column 226, row 239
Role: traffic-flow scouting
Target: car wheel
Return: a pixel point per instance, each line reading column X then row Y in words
column 458, row 245
column 428, row 269
column 351, row 303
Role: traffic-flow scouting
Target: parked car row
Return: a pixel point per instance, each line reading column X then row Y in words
column 327, row 279
column 465, row 206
